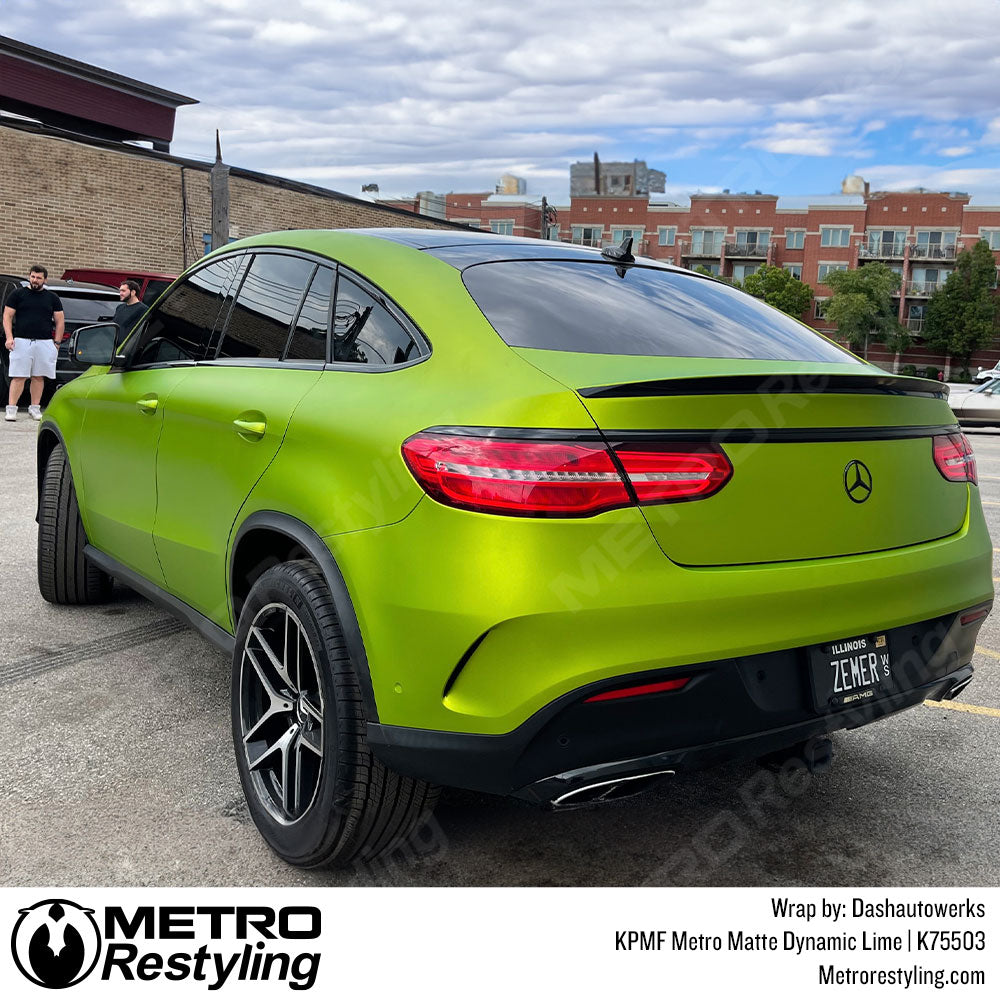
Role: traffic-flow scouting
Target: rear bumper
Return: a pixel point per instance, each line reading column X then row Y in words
column 736, row 708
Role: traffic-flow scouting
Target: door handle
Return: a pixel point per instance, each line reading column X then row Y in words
column 250, row 430
column 148, row 404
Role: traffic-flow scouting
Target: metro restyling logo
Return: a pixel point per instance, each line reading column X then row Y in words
column 57, row 943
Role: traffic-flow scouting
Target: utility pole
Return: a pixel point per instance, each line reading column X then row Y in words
column 545, row 219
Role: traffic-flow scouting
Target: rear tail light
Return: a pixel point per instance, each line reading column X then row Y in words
column 954, row 459
column 553, row 478
column 674, row 684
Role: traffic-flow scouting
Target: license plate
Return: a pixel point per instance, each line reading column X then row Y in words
column 851, row 672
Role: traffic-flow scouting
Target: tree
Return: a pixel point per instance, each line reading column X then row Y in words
column 862, row 307
column 962, row 316
column 779, row 288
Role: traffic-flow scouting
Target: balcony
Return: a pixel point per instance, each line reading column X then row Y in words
column 882, row 250
column 701, row 248
column 915, row 325
column 918, row 289
column 933, row 251
column 757, row 251
column 587, row 241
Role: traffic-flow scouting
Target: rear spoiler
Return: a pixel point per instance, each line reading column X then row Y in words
column 812, row 383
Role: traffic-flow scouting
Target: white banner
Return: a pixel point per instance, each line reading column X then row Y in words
column 481, row 943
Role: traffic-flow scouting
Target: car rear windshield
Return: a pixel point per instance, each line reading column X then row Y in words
column 596, row 308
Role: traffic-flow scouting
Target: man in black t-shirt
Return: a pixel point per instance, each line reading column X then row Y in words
column 33, row 326
column 131, row 310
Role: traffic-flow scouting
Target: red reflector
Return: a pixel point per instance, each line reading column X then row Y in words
column 973, row 616
column 662, row 474
column 632, row 692
column 538, row 478
column 954, row 459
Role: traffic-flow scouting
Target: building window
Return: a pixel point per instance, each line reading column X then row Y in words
column 795, row 239
column 502, row 227
column 712, row 269
column 588, row 236
column 206, row 243
column 820, row 311
column 885, row 243
column 795, row 270
column 992, row 236
column 619, row 233
column 666, row 236
column 752, row 239
column 741, row 271
column 830, row 237
column 825, row 269
column 706, row 241
column 553, row 233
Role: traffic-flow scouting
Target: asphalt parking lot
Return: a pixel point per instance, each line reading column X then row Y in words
column 118, row 770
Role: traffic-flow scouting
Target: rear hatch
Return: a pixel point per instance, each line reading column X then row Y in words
column 830, row 456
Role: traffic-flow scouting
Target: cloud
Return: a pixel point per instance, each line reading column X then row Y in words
column 418, row 91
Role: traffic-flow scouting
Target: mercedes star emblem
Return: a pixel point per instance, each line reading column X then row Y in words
column 858, row 481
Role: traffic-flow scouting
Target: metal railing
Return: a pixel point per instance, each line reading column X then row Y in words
column 915, row 325
column 587, row 241
column 701, row 248
column 882, row 249
column 933, row 251
column 741, row 249
column 923, row 287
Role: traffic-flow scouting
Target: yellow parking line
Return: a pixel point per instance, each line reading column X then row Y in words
column 987, row 652
column 960, row 707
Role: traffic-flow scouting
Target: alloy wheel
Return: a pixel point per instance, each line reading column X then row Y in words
column 281, row 714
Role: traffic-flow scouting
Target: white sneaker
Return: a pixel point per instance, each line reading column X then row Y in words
column 35, row 412
column 11, row 413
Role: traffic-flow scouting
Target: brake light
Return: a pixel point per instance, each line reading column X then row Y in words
column 554, row 478
column 675, row 474
column 674, row 684
column 954, row 459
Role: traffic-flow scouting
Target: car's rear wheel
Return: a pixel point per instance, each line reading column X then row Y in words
column 65, row 574
column 315, row 791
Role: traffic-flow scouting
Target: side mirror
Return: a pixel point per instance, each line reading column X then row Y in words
column 95, row 345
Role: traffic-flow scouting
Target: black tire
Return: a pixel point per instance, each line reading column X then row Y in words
column 358, row 809
column 65, row 574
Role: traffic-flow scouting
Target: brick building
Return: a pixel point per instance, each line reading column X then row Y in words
column 916, row 233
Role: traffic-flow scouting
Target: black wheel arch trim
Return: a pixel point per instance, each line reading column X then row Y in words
column 299, row 532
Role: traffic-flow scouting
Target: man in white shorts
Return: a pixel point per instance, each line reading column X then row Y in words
column 33, row 326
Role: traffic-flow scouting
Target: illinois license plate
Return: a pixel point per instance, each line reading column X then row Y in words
column 851, row 672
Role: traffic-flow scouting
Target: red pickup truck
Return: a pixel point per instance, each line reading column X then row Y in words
column 152, row 284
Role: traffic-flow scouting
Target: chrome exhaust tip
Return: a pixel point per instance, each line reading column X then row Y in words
column 609, row 791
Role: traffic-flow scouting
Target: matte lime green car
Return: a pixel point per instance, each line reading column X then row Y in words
column 510, row 515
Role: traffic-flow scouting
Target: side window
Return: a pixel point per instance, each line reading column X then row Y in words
column 267, row 301
column 308, row 341
column 365, row 332
column 181, row 327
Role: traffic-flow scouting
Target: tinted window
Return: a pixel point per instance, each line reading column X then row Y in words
column 365, row 331
column 308, row 341
column 81, row 309
column 181, row 327
column 154, row 289
column 588, row 308
column 267, row 300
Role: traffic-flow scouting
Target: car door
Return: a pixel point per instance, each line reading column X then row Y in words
column 226, row 421
column 124, row 413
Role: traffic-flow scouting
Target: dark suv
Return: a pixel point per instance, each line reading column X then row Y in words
column 83, row 304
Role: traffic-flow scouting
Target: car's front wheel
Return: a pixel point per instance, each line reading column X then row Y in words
column 314, row 789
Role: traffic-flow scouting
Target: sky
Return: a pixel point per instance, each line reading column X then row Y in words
column 783, row 96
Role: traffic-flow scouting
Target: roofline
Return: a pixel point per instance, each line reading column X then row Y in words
column 43, row 57
column 272, row 180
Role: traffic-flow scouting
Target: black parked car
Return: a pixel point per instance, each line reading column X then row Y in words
column 83, row 304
